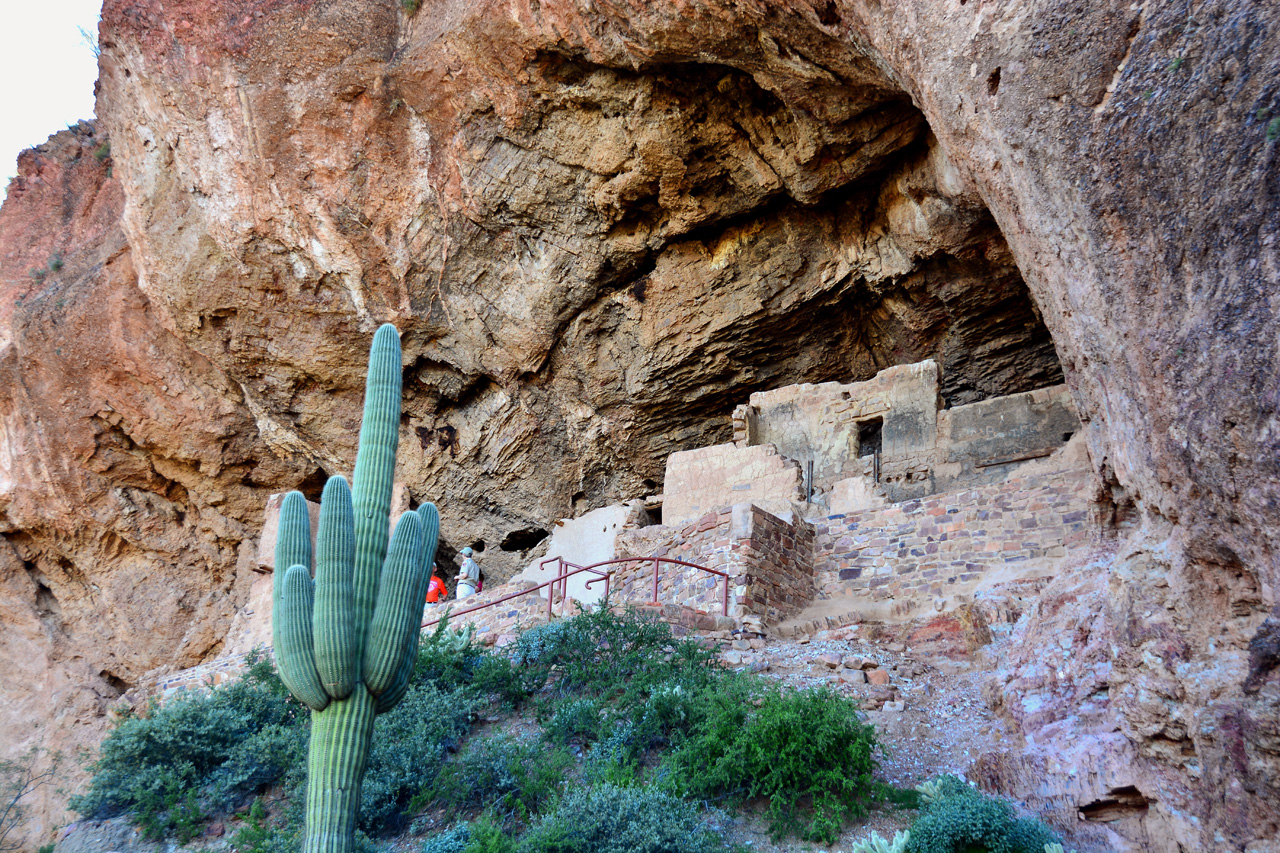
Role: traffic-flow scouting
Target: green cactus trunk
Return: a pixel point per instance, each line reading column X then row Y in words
column 346, row 641
column 340, row 738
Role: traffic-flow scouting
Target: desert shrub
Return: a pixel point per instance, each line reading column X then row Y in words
column 508, row 775
column 19, row 777
column 613, row 758
column 808, row 752
column 258, row 835
column 611, row 819
column 409, row 747
column 497, row 678
column 600, row 652
column 448, row 658
column 157, row 765
column 275, row 754
column 485, row 835
column 574, row 721
column 452, row 840
column 958, row 818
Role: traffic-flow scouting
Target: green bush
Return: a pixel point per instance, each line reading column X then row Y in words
column 485, row 835
column 508, row 775
column 613, row 758
column 958, row 818
column 447, row 658
column 452, row 840
column 157, row 766
column 808, row 752
column 611, row 819
column 275, row 754
column 574, row 721
column 409, row 747
column 497, row 677
column 600, row 652
column 257, row 835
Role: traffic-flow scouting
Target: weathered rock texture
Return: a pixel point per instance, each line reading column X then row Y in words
column 599, row 226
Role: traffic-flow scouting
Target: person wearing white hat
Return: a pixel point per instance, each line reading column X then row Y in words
column 468, row 575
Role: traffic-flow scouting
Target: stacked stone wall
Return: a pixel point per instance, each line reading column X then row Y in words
column 496, row 625
column 704, row 541
column 777, row 559
column 769, row 562
column 214, row 673
column 944, row 544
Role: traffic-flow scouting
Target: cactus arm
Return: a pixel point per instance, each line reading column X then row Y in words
column 293, row 535
column 293, row 548
column 292, row 621
column 430, row 536
column 397, row 615
column 333, row 621
column 374, row 474
column 395, row 691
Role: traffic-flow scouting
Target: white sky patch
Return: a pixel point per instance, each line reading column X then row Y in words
column 47, row 71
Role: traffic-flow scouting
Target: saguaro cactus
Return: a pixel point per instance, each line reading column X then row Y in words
column 346, row 642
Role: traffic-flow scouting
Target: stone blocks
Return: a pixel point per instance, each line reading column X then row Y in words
column 945, row 544
column 769, row 562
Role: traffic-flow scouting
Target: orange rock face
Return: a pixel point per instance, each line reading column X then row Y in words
column 599, row 226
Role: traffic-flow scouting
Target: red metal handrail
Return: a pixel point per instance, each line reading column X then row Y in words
column 656, row 561
column 563, row 580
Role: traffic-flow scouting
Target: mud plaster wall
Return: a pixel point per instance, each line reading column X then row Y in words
column 700, row 481
column 820, row 423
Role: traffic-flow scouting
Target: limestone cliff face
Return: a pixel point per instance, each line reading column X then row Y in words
column 600, row 226
column 131, row 474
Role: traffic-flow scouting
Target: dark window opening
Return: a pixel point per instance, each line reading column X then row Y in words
column 523, row 539
column 478, row 546
column 871, row 437
column 1066, row 436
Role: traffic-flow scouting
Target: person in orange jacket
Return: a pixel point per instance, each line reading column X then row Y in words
column 436, row 589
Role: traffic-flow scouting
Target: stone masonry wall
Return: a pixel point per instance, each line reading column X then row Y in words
column 820, row 424
column 215, row 673
column 946, row 544
column 769, row 562
column 496, row 625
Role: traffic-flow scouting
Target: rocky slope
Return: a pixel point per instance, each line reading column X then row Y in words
column 600, row 226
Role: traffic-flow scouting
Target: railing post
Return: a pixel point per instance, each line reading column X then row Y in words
column 725, row 610
column 655, row 580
